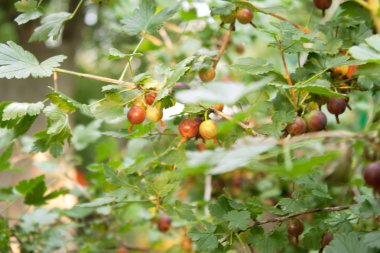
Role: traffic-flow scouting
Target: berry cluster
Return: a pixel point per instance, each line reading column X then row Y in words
column 195, row 128
column 144, row 108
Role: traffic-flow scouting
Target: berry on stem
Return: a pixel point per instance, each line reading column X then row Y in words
column 164, row 223
column 136, row 115
column 244, row 15
column 295, row 227
column 372, row 175
column 322, row 5
column 208, row 129
column 188, row 128
column 207, row 75
column 327, row 237
column 154, row 113
column 336, row 106
column 316, row 121
column 297, row 127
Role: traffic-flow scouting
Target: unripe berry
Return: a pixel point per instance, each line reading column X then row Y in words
column 139, row 102
column 336, row 106
column 244, row 15
column 327, row 237
column 297, row 127
column 295, row 227
column 372, row 175
column 136, row 114
column 154, row 113
column 149, row 98
column 228, row 19
column 164, row 223
column 316, row 121
column 188, row 128
column 208, row 129
column 207, row 75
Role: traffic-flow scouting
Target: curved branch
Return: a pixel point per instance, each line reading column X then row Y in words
column 226, row 41
column 293, row 215
column 97, row 78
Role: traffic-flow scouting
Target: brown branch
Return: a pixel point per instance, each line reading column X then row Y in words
column 293, row 215
column 287, row 75
column 300, row 27
column 324, row 135
column 226, row 41
column 97, row 78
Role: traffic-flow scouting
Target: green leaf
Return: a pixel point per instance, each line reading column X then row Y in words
column 220, row 208
column 319, row 87
column 26, row 5
column 184, row 211
column 161, row 185
column 38, row 219
column 15, row 62
column 366, row 207
column 112, row 197
column 204, row 237
column 224, row 160
column 271, row 242
column 85, row 135
column 217, row 93
column 57, row 120
column 177, row 72
column 26, row 17
column 372, row 239
column 26, row 186
column 114, row 54
column 33, row 190
column 109, row 108
column 252, row 66
column 238, row 220
column 18, row 110
column 368, row 51
column 144, row 19
column 51, row 27
column 68, row 104
column 348, row 243
column 4, row 157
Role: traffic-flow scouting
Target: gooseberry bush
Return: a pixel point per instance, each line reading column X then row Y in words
column 251, row 128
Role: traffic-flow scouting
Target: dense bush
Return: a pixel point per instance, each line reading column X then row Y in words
column 251, row 129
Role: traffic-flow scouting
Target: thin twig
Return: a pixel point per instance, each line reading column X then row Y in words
column 226, row 41
column 287, row 75
column 300, row 27
column 131, row 58
column 55, row 78
column 289, row 216
column 97, row 78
